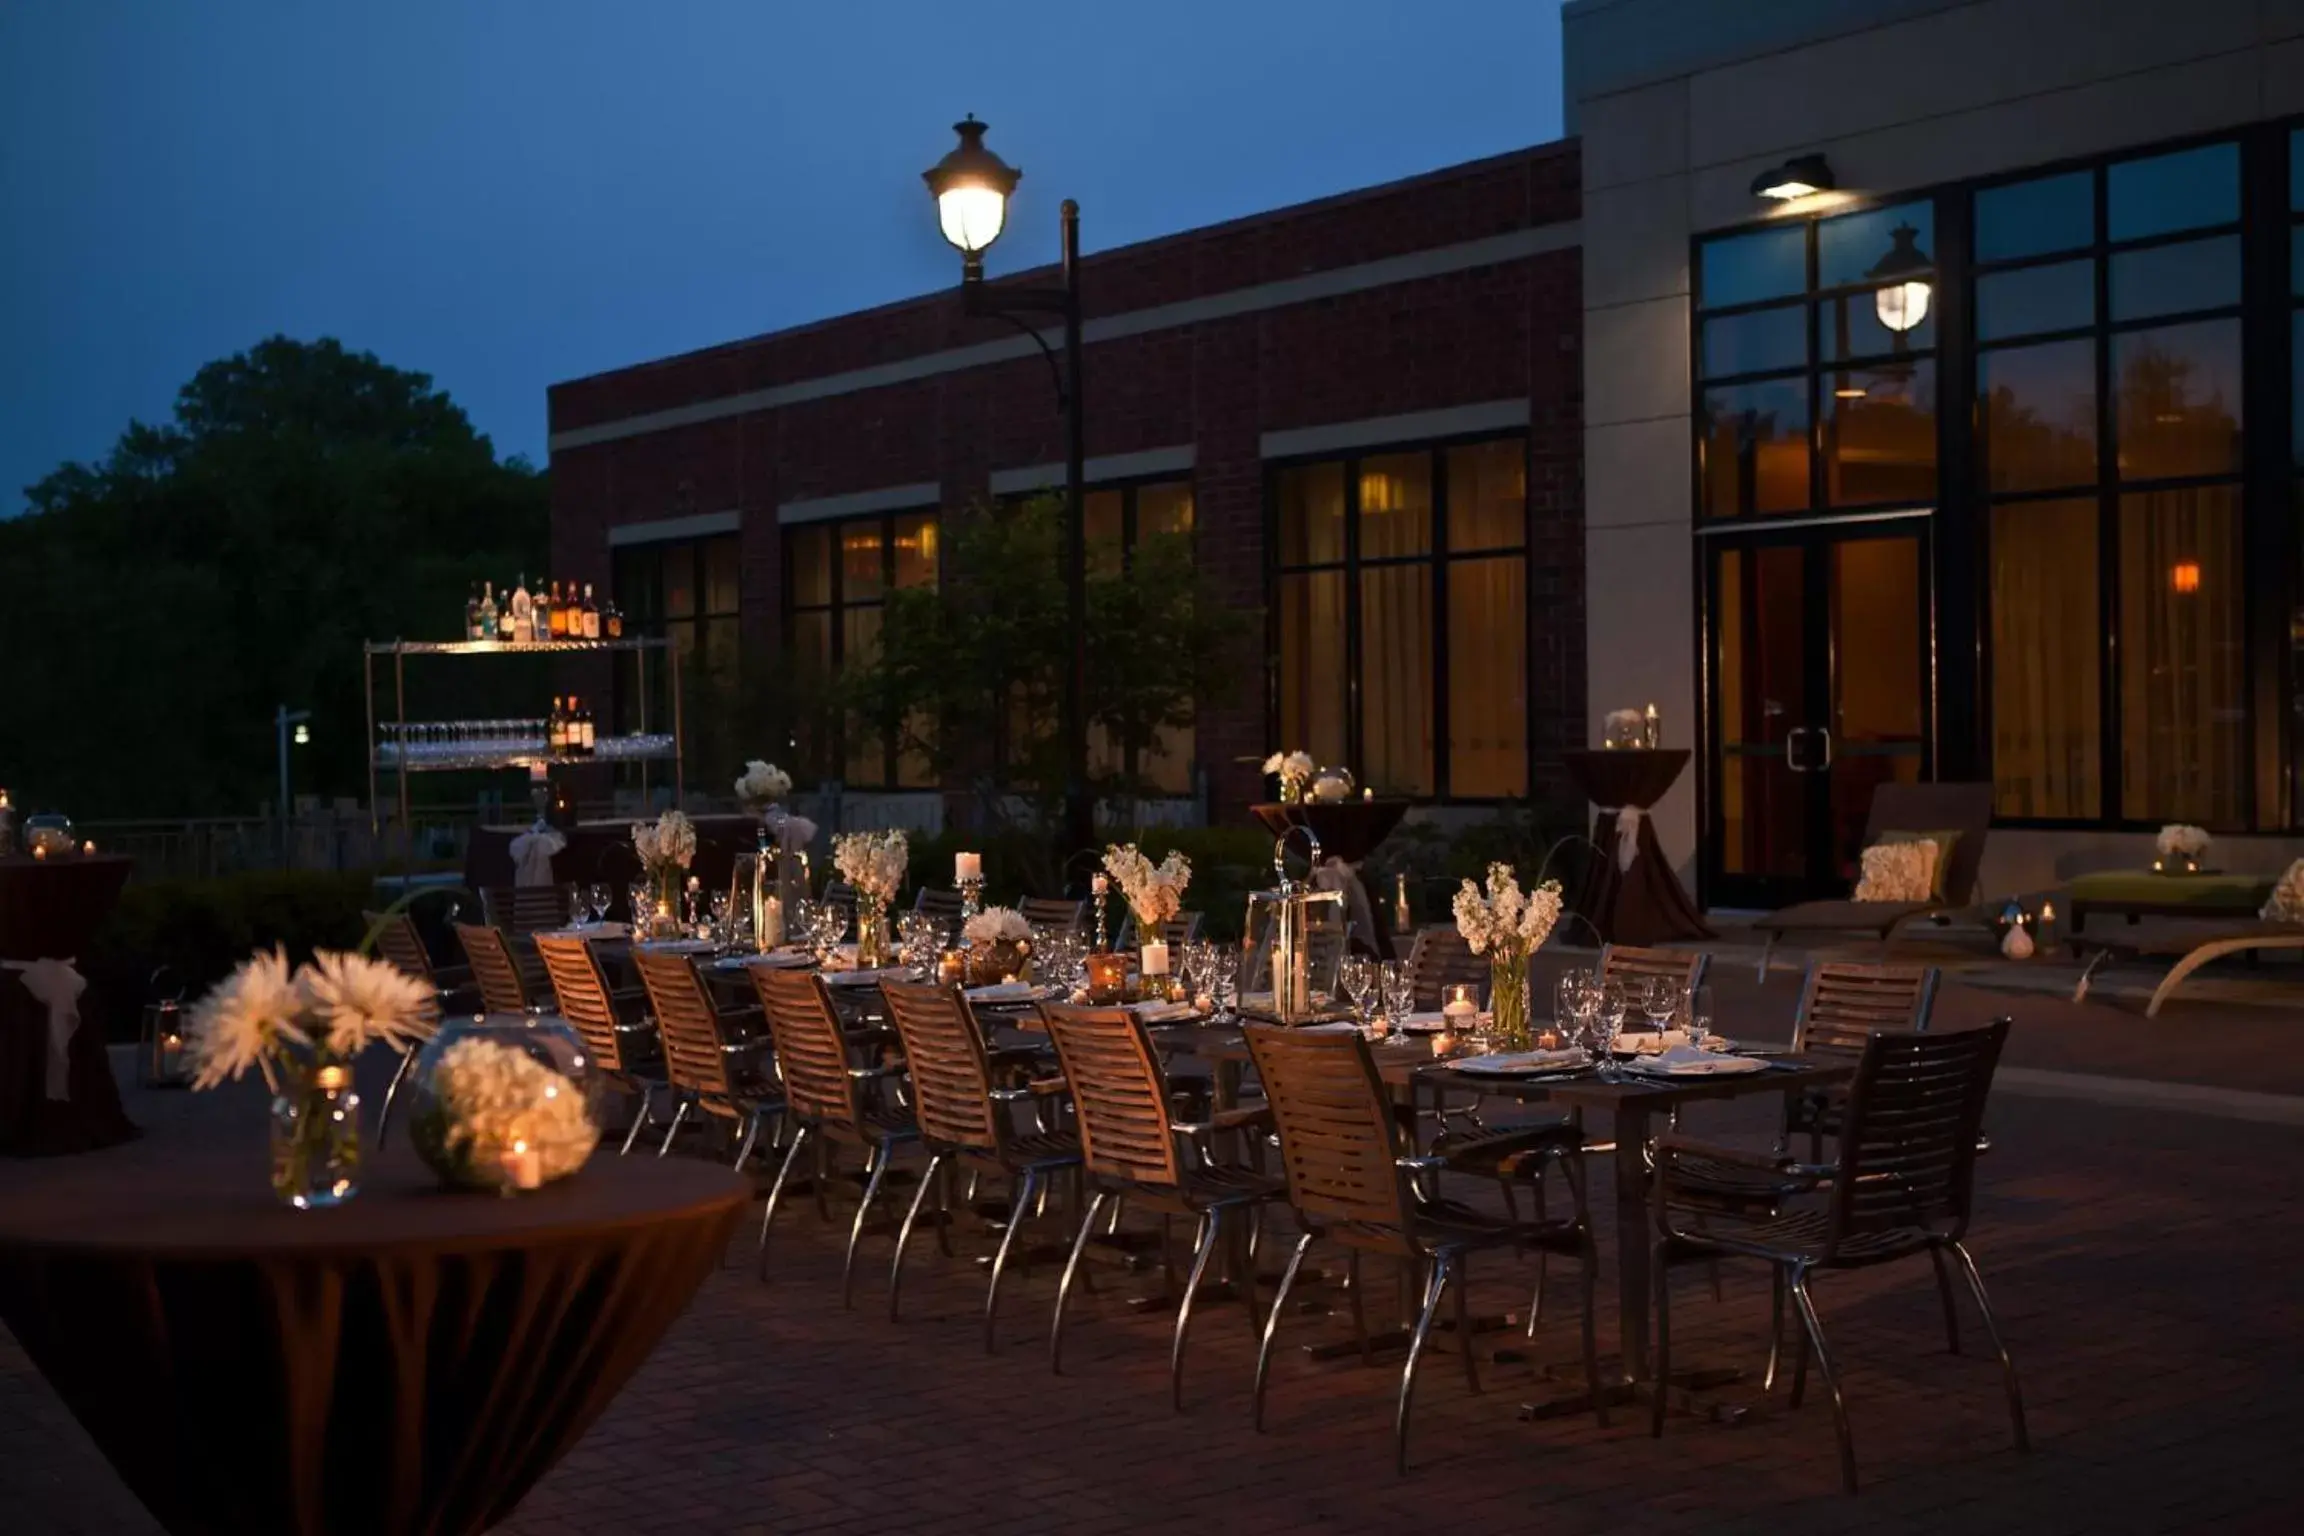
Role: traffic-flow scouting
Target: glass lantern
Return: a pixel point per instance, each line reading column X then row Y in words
column 1296, row 941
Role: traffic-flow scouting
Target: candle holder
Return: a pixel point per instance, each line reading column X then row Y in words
column 971, row 896
column 1100, row 888
column 951, row 968
column 1107, row 977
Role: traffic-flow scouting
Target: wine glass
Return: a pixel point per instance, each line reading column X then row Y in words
column 1660, row 998
column 1699, row 1005
column 599, row 896
column 1397, row 986
column 1607, row 1002
column 1356, row 975
column 578, row 911
column 717, row 912
column 1225, row 979
column 643, row 905
column 827, row 925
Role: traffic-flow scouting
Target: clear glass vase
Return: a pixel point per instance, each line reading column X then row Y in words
column 1508, row 1003
column 504, row 1103
column 315, row 1135
column 871, row 935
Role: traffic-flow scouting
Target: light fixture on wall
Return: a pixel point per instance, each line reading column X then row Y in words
column 1901, row 305
column 2184, row 576
column 1800, row 176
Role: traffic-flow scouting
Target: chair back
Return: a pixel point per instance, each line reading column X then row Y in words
column 811, row 1050
column 1119, row 1093
column 1054, row 912
column 1908, row 1144
column 401, row 945
column 1842, row 1006
column 1631, row 965
column 1962, row 808
column 526, row 909
column 493, row 969
column 687, row 1024
column 581, row 991
column 1439, row 958
column 840, row 894
column 937, row 903
column 1337, row 1137
column 944, row 1053
column 1177, row 932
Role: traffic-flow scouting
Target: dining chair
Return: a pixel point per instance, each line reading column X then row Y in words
column 1351, row 1182
column 967, row 1119
column 502, row 989
column 943, row 905
column 1054, row 912
column 1440, row 958
column 522, row 911
column 710, row 1065
column 1902, row 1184
column 1177, row 932
column 621, row 1050
column 393, row 936
column 1631, row 965
column 1842, row 1005
column 825, row 1099
column 1133, row 1150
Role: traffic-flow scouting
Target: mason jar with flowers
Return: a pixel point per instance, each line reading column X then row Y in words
column 666, row 849
column 1294, row 771
column 1155, row 894
column 303, row 1029
column 999, row 944
column 1508, row 925
column 875, row 864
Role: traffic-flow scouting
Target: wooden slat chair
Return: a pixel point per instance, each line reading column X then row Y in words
column 1178, row 931
column 521, row 912
column 940, row 904
column 395, row 939
column 502, row 989
column 1440, row 958
column 621, row 1050
column 709, row 1066
column 1903, row 1184
column 1054, row 912
column 1350, row 1182
column 1134, row 1151
column 967, row 1120
column 1841, row 1007
column 825, row 1100
column 1631, row 965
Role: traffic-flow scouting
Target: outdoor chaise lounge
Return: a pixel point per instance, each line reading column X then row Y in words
column 1934, row 808
column 2191, row 950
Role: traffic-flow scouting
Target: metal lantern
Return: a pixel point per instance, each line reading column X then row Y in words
column 1296, row 942
column 162, row 1060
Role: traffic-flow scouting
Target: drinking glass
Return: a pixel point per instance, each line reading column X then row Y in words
column 642, row 897
column 1660, row 998
column 1356, row 976
column 578, row 912
column 1226, row 974
column 1398, row 989
column 1699, row 1014
column 827, row 924
column 599, row 896
column 718, row 909
column 1608, row 1003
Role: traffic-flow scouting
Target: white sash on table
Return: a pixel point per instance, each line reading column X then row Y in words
column 58, row 985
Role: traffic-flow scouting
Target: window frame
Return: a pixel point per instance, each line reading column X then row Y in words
column 656, row 621
column 837, row 606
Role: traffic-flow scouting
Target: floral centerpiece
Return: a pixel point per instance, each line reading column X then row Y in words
column 762, row 785
column 2181, row 849
column 302, row 1029
column 1294, row 770
column 1155, row 893
column 1508, row 925
column 491, row 1114
column 666, row 849
column 874, row 863
column 999, row 943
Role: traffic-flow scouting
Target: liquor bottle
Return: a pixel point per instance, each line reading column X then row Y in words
column 584, row 737
column 523, row 612
column 484, row 622
column 555, row 615
column 591, row 614
column 507, row 627
column 472, row 612
column 612, row 621
column 556, row 729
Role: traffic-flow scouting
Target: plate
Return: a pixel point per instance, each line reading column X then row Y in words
column 865, row 978
column 1707, row 1066
column 1521, row 1063
column 1008, row 992
column 1164, row 1013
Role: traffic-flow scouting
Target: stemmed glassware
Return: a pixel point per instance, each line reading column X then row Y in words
column 1398, row 989
column 1660, row 999
column 1224, row 978
column 1357, row 976
column 827, row 925
column 919, row 939
column 599, row 896
column 1608, row 1004
column 643, row 898
column 717, row 913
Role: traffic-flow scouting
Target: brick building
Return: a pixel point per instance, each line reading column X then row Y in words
column 1366, row 410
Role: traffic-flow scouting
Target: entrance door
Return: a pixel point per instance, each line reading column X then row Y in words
column 1819, row 692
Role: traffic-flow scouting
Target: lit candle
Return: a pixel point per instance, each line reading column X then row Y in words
column 950, row 967
column 1548, row 1040
column 88, row 847
column 524, row 1167
column 1101, row 884
column 1462, row 1005
column 39, row 850
column 1155, row 959
column 331, row 1079
column 1368, row 793
column 967, row 867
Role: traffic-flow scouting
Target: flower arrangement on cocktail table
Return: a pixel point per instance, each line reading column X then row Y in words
column 666, row 849
column 2181, row 848
column 761, row 786
column 875, row 863
column 999, row 941
column 302, row 1029
column 1508, row 925
column 493, row 1116
column 1294, row 770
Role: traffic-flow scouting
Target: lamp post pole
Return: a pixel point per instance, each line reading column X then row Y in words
column 284, row 720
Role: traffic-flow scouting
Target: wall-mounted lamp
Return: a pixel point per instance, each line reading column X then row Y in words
column 1799, row 176
column 2184, row 576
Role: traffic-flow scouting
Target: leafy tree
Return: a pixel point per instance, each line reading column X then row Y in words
column 162, row 602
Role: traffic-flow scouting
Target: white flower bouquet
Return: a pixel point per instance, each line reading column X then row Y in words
column 286, row 1024
column 668, row 845
column 997, row 925
column 497, row 1118
column 999, row 944
column 1294, row 770
column 1154, row 892
column 2179, row 841
column 1507, row 925
column 761, row 786
column 873, row 862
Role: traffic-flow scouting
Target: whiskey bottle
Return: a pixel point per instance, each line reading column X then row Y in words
column 591, row 615
column 612, row 621
column 584, row 739
column 507, row 628
column 555, row 616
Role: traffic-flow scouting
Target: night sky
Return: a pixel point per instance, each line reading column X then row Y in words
column 508, row 194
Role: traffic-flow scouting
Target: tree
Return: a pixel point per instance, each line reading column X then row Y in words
column 970, row 673
column 163, row 601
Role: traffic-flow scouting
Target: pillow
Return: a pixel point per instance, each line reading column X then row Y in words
column 2287, row 900
column 1943, row 870
column 1897, row 872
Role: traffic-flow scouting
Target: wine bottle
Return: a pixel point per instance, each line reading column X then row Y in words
column 507, row 628
column 555, row 615
column 523, row 612
column 484, row 616
column 472, row 612
column 612, row 621
column 591, row 615
column 584, row 737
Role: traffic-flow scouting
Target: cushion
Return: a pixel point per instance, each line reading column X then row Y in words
column 2229, row 895
column 1944, row 842
column 2286, row 903
column 1898, row 872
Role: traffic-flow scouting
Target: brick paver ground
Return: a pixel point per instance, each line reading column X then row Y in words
column 2144, row 1267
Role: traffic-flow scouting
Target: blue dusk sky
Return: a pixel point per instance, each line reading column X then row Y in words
column 506, row 193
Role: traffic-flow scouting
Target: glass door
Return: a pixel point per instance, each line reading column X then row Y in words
column 1819, row 693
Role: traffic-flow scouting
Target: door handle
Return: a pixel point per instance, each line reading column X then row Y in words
column 1792, row 757
column 1825, row 731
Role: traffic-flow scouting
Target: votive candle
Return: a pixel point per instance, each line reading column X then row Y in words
column 966, row 867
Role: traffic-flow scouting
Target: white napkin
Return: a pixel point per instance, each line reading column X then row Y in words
column 1163, row 1013
column 532, row 853
column 870, row 978
column 1525, row 1061
column 58, row 985
column 1003, row 992
column 1421, row 1023
column 1685, row 1060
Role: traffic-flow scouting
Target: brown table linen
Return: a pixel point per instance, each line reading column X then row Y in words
column 50, row 909
column 1645, row 904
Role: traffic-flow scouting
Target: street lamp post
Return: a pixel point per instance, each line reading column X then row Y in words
column 288, row 725
column 971, row 186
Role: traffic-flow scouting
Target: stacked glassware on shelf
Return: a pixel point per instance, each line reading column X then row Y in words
column 542, row 617
column 569, row 732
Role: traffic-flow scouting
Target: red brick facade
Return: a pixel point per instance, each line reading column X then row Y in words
column 1466, row 334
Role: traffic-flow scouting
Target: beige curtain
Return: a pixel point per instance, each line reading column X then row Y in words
column 2046, row 649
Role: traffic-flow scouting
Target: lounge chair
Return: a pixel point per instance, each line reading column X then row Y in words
column 2191, row 951
column 1962, row 808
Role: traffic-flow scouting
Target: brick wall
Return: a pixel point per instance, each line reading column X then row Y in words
column 1499, row 331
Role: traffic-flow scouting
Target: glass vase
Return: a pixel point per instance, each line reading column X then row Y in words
column 1508, row 1003
column 871, row 935
column 315, row 1136
column 504, row 1103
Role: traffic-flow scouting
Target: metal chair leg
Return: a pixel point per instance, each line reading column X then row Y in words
column 643, row 1116
column 904, row 1232
column 679, row 1118
column 1775, row 1328
column 1019, row 1211
column 1767, row 948
column 1211, row 1230
column 823, row 1185
column 1434, row 1289
column 944, row 1209
column 1064, row 1288
column 1944, row 1293
column 885, row 1154
column 1272, row 1321
column 1992, row 1332
column 392, row 1092
column 776, row 1193
column 751, row 1138
column 1815, row 1330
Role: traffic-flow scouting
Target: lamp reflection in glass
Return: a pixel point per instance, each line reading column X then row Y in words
column 1902, row 305
column 971, row 186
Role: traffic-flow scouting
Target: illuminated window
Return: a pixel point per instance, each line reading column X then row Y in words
column 837, row 577
column 684, row 590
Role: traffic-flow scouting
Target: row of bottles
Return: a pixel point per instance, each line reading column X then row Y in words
column 524, row 618
column 569, row 732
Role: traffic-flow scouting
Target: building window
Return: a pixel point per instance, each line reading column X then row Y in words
column 2108, row 381
column 2295, row 733
column 837, row 577
column 1816, row 373
column 1400, row 611
column 1119, row 518
column 685, row 590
